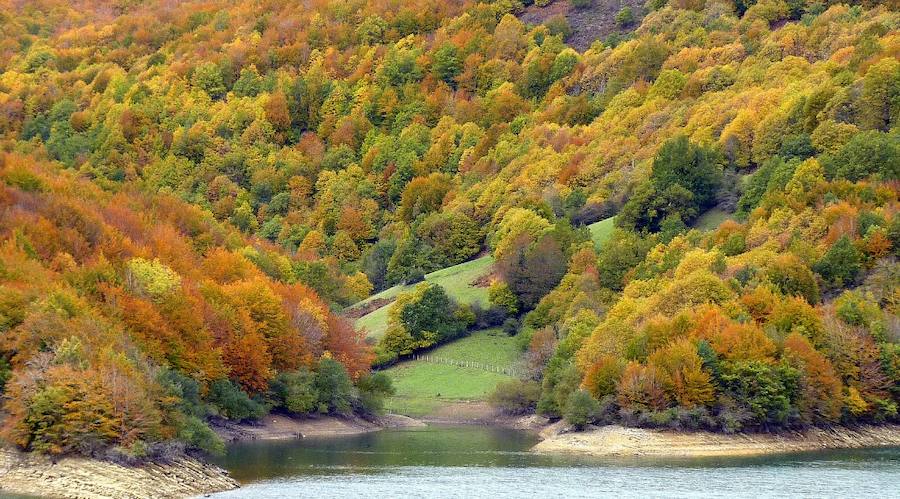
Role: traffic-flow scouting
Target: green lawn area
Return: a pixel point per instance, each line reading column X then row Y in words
column 601, row 231
column 423, row 386
column 711, row 219
column 456, row 280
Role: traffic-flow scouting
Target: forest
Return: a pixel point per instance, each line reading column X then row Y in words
column 194, row 196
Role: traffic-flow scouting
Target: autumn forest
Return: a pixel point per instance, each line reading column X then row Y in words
column 195, row 196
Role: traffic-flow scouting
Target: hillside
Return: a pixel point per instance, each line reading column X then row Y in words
column 464, row 283
column 686, row 217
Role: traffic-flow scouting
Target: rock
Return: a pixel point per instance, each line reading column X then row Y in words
column 79, row 477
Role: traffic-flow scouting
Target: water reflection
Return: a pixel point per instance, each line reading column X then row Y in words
column 474, row 461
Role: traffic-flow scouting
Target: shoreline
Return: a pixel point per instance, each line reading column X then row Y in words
column 185, row 476
column 620, row 441
column 85, row 478
column 283, row 427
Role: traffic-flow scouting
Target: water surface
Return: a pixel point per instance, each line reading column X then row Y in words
column 475, row 462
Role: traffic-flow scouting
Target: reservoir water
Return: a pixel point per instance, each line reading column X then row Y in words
column 484, row 462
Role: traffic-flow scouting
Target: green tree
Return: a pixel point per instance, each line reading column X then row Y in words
column 208, row 77
column 581, row 409
column 333, row 385
column 446, row 65
column 841, row 264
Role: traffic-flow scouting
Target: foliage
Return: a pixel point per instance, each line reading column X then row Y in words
column 515, row 397
column 581, row 409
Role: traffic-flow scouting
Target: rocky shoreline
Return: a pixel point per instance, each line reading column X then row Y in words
column 619, row 441
column 83, row 478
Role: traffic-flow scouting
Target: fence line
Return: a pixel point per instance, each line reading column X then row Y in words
column 509, row 371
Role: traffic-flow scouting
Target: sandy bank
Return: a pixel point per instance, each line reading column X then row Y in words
column 280, row 427
column 76, row 477
column 620, row 441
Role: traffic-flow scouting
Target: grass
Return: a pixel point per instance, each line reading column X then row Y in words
column 422, row 387
column 601, row 231
column 711, row 219
column 456, row 280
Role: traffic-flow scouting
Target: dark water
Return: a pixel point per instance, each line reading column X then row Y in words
column 481, row 462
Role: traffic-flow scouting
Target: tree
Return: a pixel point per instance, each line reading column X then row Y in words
column 841, row 263
column 768, row 391
column 423, row 195
column 515, row 397
column 793, row 278
column 208, row 77
column 332, row 383
column 686, row 380
column 295, row 391
column 424, row 317
column 867, row 153
column 373, row 388
column 531, row 270
column 622, row 252
column 375, row 262
column 446, row 65
column 683, row 181
column 821, row 392
column 581, row 409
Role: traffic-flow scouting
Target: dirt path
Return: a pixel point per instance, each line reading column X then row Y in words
column 76, row 477
column 619, row 441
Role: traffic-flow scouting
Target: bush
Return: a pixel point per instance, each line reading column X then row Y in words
column 582, row 4
column 196, row 434
column 373, row 389
column 233, row 403
column 581, row 409
column 559, row 25
column 625, row 17
column 489, row 317
column 516, row 397
column 295, row 391
column 511, row 326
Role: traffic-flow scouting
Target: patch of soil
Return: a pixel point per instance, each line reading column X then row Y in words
column 596, row 22
column 35, row 475
column 367, row 308
column 483, row 281
column 619, row 441
column 283, row 427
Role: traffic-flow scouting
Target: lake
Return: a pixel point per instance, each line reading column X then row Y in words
column 477, row 461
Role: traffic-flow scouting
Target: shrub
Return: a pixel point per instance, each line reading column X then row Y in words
column 581, row 409
column 233, row 403
column 373, row 388
column 295, row 391
column 516, row 397
column 559, row 25
column 196, row 434
column 511, row 326
column 625, row 17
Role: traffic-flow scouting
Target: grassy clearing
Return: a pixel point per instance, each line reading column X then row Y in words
column 456, row 280
column 711, row 219
column 601, row 231
column 422, row 387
